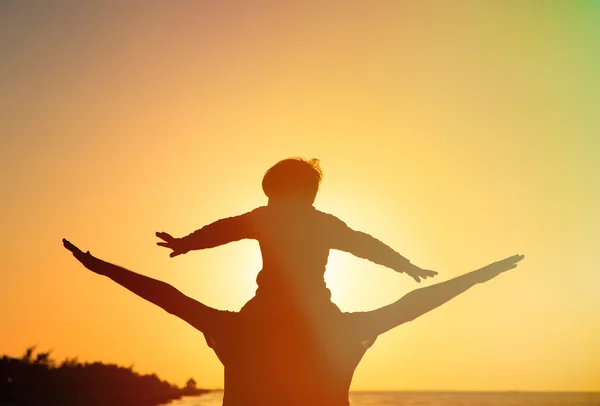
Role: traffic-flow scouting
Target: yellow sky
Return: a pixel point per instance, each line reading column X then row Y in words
column 458, row 135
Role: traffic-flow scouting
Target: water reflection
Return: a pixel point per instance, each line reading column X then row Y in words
column 438, row 399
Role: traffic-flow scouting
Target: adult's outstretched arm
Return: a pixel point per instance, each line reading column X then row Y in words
column 423, row 300
column 160, row 293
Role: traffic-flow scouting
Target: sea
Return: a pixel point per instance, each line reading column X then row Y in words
column 409, row 398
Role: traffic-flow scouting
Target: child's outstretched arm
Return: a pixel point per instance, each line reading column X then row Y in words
column 366, row 246
column 160, row 293
column 218, row 233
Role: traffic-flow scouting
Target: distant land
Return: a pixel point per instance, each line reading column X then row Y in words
column 36, row 379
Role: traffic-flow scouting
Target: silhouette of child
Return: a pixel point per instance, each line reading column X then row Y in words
column 294, row 237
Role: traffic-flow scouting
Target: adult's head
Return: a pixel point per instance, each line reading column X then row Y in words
column 293, row 180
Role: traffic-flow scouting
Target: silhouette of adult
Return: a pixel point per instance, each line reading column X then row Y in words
column 277, row 372
column 290, row 344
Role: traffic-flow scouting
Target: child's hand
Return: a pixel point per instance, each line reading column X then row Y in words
column 176, row 244
column 417, row 273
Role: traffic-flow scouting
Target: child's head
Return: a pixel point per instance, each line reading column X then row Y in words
column 293, row 179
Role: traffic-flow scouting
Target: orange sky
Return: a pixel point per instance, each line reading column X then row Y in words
column 458, row 135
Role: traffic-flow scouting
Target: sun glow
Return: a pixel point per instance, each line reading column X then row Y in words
column 457, row 134
column 338, row 279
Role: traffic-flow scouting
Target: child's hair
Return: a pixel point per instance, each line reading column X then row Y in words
column 293, row 179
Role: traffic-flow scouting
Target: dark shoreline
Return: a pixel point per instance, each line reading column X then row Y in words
column 37, row 380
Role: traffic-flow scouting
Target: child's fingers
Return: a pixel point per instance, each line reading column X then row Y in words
column 165, row 236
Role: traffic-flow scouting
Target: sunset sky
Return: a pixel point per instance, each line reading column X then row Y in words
column 459, row 133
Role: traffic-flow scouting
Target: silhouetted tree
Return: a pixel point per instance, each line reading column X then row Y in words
column 34, row 379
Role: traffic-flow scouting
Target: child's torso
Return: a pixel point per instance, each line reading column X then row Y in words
column 294, row 243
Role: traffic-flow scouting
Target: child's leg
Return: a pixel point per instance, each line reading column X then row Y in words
column 421, row 301
column 203, row 318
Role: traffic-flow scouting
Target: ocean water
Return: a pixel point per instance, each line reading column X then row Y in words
column 438, row 399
